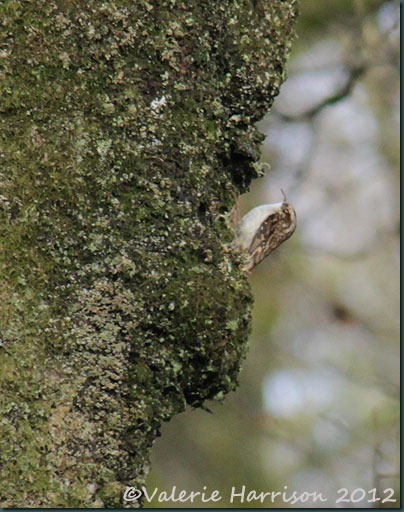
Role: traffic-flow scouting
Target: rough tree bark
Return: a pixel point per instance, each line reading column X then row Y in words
column 126, row 134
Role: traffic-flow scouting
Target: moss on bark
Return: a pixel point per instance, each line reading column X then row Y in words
column 126, row 135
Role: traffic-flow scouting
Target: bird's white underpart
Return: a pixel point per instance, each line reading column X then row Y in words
column 264, row 228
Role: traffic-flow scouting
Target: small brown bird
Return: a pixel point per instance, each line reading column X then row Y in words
column 264, row 228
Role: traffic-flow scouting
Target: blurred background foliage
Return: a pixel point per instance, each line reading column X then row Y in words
column 317, row 408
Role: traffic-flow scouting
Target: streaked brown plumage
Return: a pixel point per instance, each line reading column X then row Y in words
column 265, row 228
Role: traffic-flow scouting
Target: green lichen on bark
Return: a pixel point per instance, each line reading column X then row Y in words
column 126, row 135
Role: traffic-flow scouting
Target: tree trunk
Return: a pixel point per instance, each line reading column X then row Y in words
column 126, row 135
